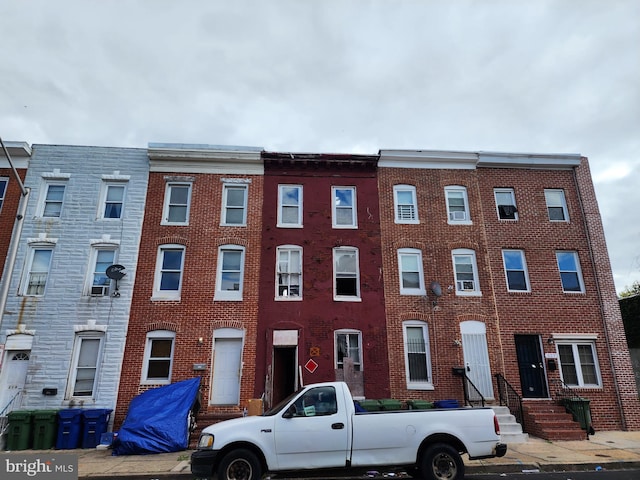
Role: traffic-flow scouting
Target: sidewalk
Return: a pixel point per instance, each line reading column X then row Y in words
column 604, row 450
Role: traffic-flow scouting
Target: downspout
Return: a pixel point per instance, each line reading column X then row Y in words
column 15, row 237
column 600, row 299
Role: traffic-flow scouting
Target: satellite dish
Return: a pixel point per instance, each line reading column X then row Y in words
column 115, row 272
column 436, row 289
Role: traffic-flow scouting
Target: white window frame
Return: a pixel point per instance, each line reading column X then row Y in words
column 460, row 284
column 405, row 212
column 337, row 252
column 101, row 289
column 511, row 268
column 229, row 295
column 556, row 203
column 577, row 271
column 4, row 186
column 169, row 205
column 417, row 384
column 349, row 334
column 284, row 273
column 285, row 202
column 42, row 207
column 226, row 188
column 80, row 338
column 33, row 249
column 575, row 343
column 150, row 338
column 502, row 214
column 416, row 254
column 344, row 208
column 165, row 294
column 454, row 216
column 104, row 199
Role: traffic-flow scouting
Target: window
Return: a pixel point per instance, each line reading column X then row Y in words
column 349, row 345
column 169, row 268
column 288, row 273
column 289, row 205
column 113, row 200
column 346, row 284
column 406, row 206
column 52, row 206
column 177, row 200
column 416, row 355
column 343, row 207
column 38, row 271
column 316, row 402
column 515, row 268
column 99, row 283
column 457, row 205
column 506, row 203
column 230, row 273
column 466, row 272
column 578, row 363
column 411, row 277
column 556, row 205
column 570, row 274
column 3, row 190
column 234, row 205
column 158, row 357
column 84, row 372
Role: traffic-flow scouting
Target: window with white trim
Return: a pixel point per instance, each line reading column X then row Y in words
column 169, row 272
column 289, row 205
column 99, row 285
column 570, row 272
column 348, row 344
column 87, row 350
column 343, row 207
column 346, row 274
column 289, row 272
column 230, row 273
column 4, row 182
column 556, row 205
column 52, row 202
column 158, row 357
column 457, row 205
column 234, row 204
column 515, row 269
column 112, row 200
column 177, row 202
column 417, row 358
column 405, row 204
column 578, row 363
column 410, row 271
column 506, row 203
column 466, row 272
column 37, row 271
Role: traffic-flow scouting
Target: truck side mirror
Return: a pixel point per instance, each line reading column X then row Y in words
column 290, row 413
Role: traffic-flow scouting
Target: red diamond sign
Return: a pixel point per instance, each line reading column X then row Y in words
column 311, row 365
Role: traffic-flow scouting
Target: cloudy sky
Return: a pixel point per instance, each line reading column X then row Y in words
column 543, row 76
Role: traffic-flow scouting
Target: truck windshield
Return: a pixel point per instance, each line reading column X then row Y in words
column 280, row 405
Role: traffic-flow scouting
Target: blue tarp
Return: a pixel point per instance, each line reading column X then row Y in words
column 158, row 420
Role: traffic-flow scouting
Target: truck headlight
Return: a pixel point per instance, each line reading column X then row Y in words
column 206, row 441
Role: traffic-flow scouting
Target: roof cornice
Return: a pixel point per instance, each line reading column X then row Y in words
column 217, row 159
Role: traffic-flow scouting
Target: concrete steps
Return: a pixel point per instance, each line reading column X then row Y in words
column 510, row 429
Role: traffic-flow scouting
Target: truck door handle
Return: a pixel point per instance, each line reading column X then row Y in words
column 337, row 426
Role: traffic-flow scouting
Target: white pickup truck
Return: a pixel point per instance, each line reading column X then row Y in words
column 318, row 427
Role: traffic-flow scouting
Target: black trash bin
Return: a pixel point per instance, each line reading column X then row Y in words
column 69, row 423
column 19, row 431
column 44, row 429
column 94, row 424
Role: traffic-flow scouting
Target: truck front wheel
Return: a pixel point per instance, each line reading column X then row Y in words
column 239, row 464
column 442, row 462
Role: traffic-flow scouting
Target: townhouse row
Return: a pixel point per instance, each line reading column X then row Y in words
column 260, row 271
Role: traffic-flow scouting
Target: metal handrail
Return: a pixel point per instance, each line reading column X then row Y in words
column 511, row 399
column 467, row 385
column 6, row 410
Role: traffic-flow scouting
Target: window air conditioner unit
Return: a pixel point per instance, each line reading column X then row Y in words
column 458, row 215
column 99, row 290
column 465, row 285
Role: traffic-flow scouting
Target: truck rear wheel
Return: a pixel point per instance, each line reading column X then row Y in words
column 442, row 462
column 239, row 464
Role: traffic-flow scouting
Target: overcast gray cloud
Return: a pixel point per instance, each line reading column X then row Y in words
column 549, row 76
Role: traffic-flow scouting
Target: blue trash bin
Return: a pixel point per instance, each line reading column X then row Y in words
column 449, row 403
column 69, row 423
column 94, row 424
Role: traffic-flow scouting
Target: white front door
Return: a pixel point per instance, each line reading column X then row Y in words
column 476, row 358
column 227, row 360
column 13, row 377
